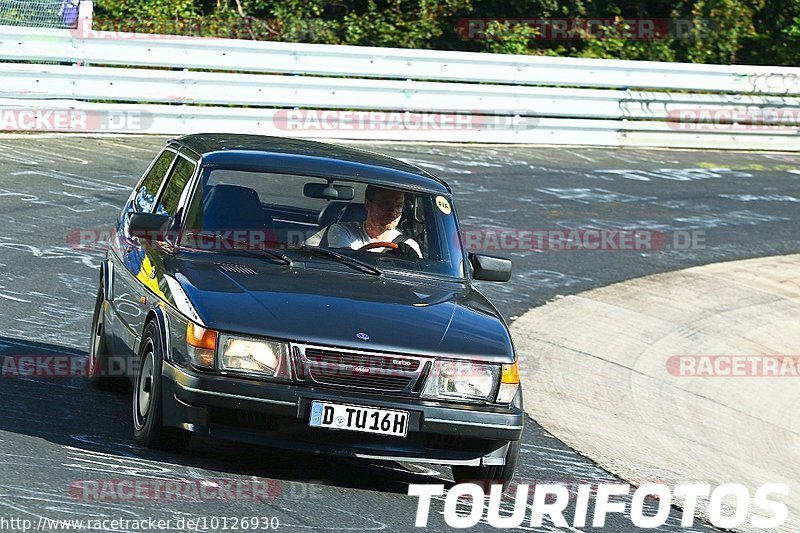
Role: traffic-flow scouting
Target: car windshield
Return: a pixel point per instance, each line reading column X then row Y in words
column 232, row 209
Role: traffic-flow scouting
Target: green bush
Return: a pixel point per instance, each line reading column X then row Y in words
column 719, row 31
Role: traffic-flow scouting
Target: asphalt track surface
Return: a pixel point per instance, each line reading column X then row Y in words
column 55, row 432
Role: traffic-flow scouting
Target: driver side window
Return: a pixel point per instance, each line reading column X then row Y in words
column 181, row 173
column 145, row 198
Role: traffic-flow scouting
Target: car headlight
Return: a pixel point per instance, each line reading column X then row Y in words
column 462, row 381
column 254, row 356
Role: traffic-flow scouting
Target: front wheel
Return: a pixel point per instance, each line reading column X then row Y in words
column 148, row 428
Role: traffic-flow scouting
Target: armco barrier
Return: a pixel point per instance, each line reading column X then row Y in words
column 509, row 98
column 187, row 87
column 171, row 119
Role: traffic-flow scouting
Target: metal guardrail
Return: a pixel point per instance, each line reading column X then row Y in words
column 111, row 48
column 172, row 119
column 508, row 98
column 187, row 87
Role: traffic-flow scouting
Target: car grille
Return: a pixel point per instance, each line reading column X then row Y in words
column 401, row 364
column 384, row 383
column 357, row 369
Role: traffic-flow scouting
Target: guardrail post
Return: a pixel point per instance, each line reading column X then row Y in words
column 85, row 13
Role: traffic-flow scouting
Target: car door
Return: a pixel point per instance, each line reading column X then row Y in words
column 144, row 262
column 127, row 256
column 150, row 273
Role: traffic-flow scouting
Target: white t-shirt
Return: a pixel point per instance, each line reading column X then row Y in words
column 354, row 235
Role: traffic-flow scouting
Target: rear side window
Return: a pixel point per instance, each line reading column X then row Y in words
column 146, row 194
column 180, row 176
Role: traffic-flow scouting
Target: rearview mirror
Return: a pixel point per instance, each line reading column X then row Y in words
column 148, row 226
column 329, row 191
column 490, row 268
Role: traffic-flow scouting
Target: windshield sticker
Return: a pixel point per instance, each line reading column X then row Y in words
column 443, row 205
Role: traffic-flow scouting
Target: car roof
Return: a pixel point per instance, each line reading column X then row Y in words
column 299, row 156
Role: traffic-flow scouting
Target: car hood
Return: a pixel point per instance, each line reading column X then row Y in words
column 350, row 310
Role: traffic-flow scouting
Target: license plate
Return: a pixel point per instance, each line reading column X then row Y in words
column 359, row 418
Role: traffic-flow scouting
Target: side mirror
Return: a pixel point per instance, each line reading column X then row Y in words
column 489, row 268
column 148, row 226
column 329, row 191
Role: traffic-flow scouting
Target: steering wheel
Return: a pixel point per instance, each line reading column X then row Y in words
column 380, row 244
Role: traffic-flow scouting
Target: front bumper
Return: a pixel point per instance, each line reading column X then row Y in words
column 277, row 414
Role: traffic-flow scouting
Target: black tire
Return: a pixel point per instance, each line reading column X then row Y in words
column 486, row 476
column 492, row 475
column 98, row 365
column 148, row 428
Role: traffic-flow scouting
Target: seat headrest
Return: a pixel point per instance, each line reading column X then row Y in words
column 331, row 213
column 232, row 207
column 354, row 213
column 341, row 212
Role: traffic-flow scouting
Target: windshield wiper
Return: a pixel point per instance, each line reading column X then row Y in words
column 346, row 259
column 247, row 247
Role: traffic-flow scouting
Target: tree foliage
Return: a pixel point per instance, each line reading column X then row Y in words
column 707, row 31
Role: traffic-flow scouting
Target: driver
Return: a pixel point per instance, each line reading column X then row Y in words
column 384, row 209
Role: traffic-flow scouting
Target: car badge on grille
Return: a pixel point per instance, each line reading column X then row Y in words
column 362, row 336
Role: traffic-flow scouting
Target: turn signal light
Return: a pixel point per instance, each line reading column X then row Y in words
column 200, row 337
column 509, row 384
column 510, row 373
column 201, row 344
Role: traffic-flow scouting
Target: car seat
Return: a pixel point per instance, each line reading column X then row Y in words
column 341, row 212
column 233, row 207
